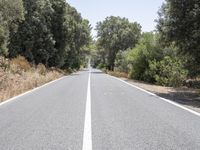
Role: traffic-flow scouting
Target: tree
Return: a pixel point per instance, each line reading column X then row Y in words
column 79, row 36
column 147, row 50
column 179, row 24
column 121, row 62
column 61, row 32
column 53, row 33
column 11, row 14
column 34, row 39
column 115, row 34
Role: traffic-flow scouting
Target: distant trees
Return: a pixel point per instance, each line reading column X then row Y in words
column 179, row 24
column 49, row 32
column 166, row 57
column 115, row 34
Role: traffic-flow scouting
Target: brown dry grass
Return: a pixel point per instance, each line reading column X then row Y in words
column 117, row 74
column 18, row 76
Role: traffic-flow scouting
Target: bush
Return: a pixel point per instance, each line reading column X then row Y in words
column 3, row 42
column 4, row 63
column 20, row 63
column 146, row 51
column 121, row 62
column 137, row 59
column 101, row 66
column 192, row 83
column 41, row 69
column 168, row 72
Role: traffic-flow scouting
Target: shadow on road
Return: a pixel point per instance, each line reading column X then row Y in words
column 183, row 97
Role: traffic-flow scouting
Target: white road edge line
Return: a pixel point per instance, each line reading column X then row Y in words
column 30, row 91
column 164, row 99
column 87, row 136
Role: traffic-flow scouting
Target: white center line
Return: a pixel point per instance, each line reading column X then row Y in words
column 87, row 136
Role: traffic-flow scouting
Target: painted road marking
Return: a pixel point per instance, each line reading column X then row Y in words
column 30, row 91
column 164, row 99
column 87, row 136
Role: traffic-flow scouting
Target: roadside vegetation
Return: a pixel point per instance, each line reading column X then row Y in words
column 43, row 37
column 38, row 39
column 18, row 75
column 168, row 56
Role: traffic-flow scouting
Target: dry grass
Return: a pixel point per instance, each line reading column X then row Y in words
column 18, row 76
column 117, row 74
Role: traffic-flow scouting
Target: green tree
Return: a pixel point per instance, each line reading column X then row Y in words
column 79, row 37
column 34, row 39
column 179, row 24
column 11, row 14
column 60, row 29
column 121, row 62
column 53, row 33
column 115, row 34
column 139, row 57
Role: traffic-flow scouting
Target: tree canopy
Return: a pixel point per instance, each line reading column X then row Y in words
column 179, row 24
column 11, row 13
column 52, row 33
column 115, row 34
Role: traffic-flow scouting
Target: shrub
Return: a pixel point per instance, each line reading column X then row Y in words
column 4, row 63
column 20, row 63
column 121, row 62
column 139, row 57
column 101, row 66
column 169, row 71
column 41, row 69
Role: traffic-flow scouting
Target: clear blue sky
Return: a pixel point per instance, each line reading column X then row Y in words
column 142, row 11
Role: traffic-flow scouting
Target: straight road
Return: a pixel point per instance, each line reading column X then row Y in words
column 51, row 118
column 101, row 113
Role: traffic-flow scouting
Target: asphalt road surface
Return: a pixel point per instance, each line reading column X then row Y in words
column 94, row 111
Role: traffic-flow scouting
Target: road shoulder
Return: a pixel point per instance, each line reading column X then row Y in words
column 185, row 96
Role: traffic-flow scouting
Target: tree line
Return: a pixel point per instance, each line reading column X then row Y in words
column 44, row 31
column 167, row 56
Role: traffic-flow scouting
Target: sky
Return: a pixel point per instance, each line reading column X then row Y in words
column 142, row 11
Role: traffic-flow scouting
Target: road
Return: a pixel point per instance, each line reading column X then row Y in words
column 94, row 111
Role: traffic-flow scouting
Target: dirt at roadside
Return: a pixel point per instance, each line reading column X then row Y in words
column 188, row 97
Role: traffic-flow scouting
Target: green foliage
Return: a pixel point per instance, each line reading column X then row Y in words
column 140, row 56
column 152, row 63
column 79, row 38
column 179, row 24
column 169, row 71
column 115, row 34
column 34, row 39
column 3, row 41
column 11, row 13
column 53, row 33
column 121, row 62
